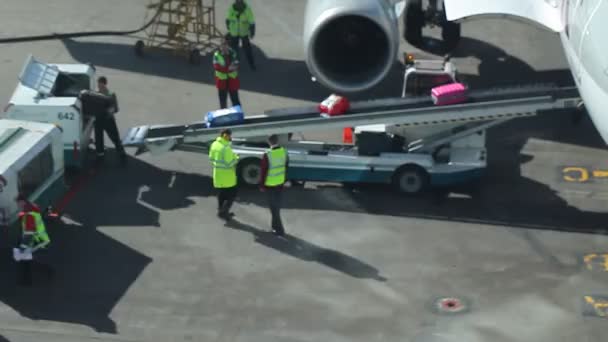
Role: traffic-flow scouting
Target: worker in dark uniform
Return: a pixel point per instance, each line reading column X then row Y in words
column 241, row 26
column 226, row 65
column 273, row 175
column 34, row 240
column 105, row 121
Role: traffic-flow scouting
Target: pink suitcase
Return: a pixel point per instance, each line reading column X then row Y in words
column 449, row 94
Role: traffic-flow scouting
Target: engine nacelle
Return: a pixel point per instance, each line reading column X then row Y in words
column 350, row 45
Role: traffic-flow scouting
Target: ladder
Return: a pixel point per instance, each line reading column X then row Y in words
column 186, row 26
column 486, row 106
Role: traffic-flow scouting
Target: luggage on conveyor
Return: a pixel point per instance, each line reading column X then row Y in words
column 449, row 94
column 334, row 105
column 225, row 117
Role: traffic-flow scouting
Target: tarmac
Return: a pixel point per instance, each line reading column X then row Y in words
column 141, row 256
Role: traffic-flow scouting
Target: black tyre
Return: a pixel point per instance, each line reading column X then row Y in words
column 413, row 22
column 139, row 48
column 249, row 172
column 195, row 57
column 411, row 180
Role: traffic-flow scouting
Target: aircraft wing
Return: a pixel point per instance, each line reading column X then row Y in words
column 547, row 13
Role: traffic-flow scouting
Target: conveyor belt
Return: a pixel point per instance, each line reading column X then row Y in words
column 483, row 105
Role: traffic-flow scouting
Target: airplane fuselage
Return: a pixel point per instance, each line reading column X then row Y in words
column 584, row 40
column 583, row 29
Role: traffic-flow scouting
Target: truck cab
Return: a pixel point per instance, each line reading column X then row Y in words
column 49, row 93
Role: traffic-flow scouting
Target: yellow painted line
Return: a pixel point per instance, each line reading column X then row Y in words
column 579, row 174
column 575, row 174
column 600, row 173
column 600, row 307
column 589, row 258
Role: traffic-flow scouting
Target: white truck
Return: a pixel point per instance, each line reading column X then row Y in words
column 31, row 163
column 49, row 93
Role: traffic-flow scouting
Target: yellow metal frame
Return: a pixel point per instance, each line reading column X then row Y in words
column 185, row 26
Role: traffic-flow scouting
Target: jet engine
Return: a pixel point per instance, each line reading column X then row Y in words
column 350, row 45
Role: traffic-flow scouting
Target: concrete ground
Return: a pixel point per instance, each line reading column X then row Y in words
column 141, row 256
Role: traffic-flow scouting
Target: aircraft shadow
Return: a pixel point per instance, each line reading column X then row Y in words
column 92, row 273
column 306, row 251
column 498, row 68
column 275, row 76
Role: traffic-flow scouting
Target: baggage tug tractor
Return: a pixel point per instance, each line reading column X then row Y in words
column 49, row 93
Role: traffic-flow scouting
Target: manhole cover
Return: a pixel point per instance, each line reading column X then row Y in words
column 450, row 305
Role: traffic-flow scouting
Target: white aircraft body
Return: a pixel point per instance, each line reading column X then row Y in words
column 583, row 28
column 350, row 45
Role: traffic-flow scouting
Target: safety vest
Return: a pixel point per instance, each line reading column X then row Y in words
column 224, row 163
column 277, row 166
column 40, row 238
column 218, row 58
column 238, row 26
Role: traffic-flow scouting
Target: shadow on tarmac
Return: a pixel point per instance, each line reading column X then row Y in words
column 307, row 251
column 503, row 197
column 92, row 273
column 92, row 270
column 497, row 68
column 281, row 77
column 3, row 339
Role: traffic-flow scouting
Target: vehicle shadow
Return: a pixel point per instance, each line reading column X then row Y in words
column 92, row 272
column 503, row 197
column 307, row 251
column 275, row 76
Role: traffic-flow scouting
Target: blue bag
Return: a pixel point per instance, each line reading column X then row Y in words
column 225, row 117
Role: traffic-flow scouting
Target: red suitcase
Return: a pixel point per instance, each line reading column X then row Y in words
column 334, row 105
column 449, row 94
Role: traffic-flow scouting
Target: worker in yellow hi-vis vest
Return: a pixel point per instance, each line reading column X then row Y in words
column 241, row 27
column 224, row 162
column 273, row 175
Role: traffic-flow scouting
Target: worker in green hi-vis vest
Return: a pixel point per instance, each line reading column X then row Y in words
column 273, row 176
column 241, row 27
column 34, row 239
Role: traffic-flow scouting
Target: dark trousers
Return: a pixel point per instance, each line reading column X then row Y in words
column 275, row 199
column 38, row 263
column 107, row 124
column 246, row 46
column 225, row 198
column 234, row 98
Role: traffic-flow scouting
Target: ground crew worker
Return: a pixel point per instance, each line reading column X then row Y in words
column 34, row 238
column 224, row 162
column 273, row 175
column 241, row 26
column 226, row 64
column 106, row 122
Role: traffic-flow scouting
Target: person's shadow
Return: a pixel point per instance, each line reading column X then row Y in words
column 307, row 251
